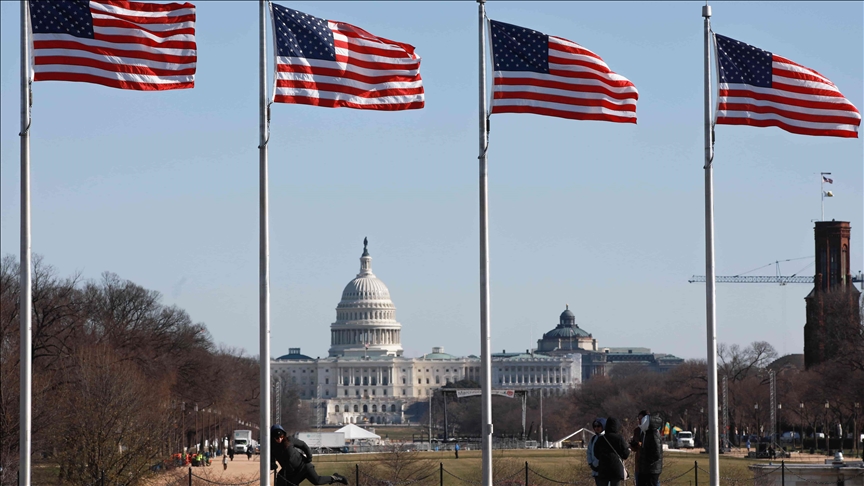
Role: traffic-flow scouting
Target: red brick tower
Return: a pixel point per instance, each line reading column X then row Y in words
column 833, row 302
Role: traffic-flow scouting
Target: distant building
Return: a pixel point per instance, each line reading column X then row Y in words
column 833, row 304
column 568, row 338
column 366, row 379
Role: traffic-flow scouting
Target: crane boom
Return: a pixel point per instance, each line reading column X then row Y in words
column 778, row 279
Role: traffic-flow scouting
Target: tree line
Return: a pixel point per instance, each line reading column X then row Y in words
column 119, row 379
column 680, row 396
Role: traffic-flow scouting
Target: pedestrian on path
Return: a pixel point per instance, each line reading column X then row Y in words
column 456, row 449
column 224, row 462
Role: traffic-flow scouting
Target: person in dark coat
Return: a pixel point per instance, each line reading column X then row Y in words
column 649, row 460
column 610, row 451
column 295, row 461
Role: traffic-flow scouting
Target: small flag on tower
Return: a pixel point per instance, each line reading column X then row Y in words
column 548, row 75
column 827, row 179
column 115, row 43
column 328, row 63
column 762, row 89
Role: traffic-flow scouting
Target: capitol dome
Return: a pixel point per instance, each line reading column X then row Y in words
column 365, row 317
column 567, row 335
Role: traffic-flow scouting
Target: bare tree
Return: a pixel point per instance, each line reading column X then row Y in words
column 114, row 420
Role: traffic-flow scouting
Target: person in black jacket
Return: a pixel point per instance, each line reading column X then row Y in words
column 611, row 450
column 649, row 461
column 295, row 460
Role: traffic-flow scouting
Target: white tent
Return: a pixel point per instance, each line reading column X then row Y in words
column 352, row 432
column 559, row 443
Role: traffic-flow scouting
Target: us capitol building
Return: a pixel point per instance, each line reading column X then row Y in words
column 366, row 379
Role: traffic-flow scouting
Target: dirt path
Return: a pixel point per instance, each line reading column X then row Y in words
column 240, row 471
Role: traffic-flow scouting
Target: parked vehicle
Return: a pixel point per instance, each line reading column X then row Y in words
column 685, row 440
column 326, row 441
column 242, row 440
column 790, row 436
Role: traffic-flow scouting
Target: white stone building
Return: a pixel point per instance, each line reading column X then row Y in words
column 366, row 379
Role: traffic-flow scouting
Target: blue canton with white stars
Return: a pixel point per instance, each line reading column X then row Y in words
column 742, row 63
column 71, row 17
column 302, row 35
column 516, row 48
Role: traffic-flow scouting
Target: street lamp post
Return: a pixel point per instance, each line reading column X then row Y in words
column 758, row 429
column 856, row 436
column 801, row 407
column 825, row 428
column 779, row 426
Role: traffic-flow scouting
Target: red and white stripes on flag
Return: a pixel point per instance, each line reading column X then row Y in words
column 121, row 44
column 333, row 64
column 761, row 89
column 547, row 75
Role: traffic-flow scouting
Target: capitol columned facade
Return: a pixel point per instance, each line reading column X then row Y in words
column 366, row 378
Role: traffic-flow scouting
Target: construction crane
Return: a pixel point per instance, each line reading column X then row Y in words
column 778, row 278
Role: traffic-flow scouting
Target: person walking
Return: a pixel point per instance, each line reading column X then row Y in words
column 594, row 463
column 456, row 450
column 649, row 461
column 224, row 462
column 295, row 461
column 611, row 450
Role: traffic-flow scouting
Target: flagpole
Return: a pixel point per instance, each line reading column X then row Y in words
column 25, row 297
column 822, row 191
column 710, row 295
column 485, row 345
column 264, row 249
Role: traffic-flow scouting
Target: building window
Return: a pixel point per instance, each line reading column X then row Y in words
column 419, row 381
column 356, row 393
column 355, row 408
column 427, row 381
column 392, row 408
column 365, row 408
column 437, row 380
column 337, row 408
column 385, row 393
column 403, row 380
column 327, row 392
column 373, row 392
column 346, row 392
column 326, row 381
column 375, row 408
column 403, row 392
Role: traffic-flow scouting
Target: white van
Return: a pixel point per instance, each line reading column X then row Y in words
column 685, row 440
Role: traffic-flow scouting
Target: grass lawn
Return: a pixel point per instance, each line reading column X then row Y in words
column 546, row 467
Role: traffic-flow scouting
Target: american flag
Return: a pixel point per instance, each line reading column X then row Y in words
column 327, row 63
column 827, row 179
column 762, row 89
column 126, row 45
column 547, row 75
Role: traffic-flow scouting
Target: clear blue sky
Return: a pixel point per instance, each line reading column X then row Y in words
column 162, row 188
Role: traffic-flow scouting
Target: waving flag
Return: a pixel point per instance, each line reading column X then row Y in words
column 126, row 45
column 762, row 89
column 547, row 75
column 827, row 179
column 327, row 63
